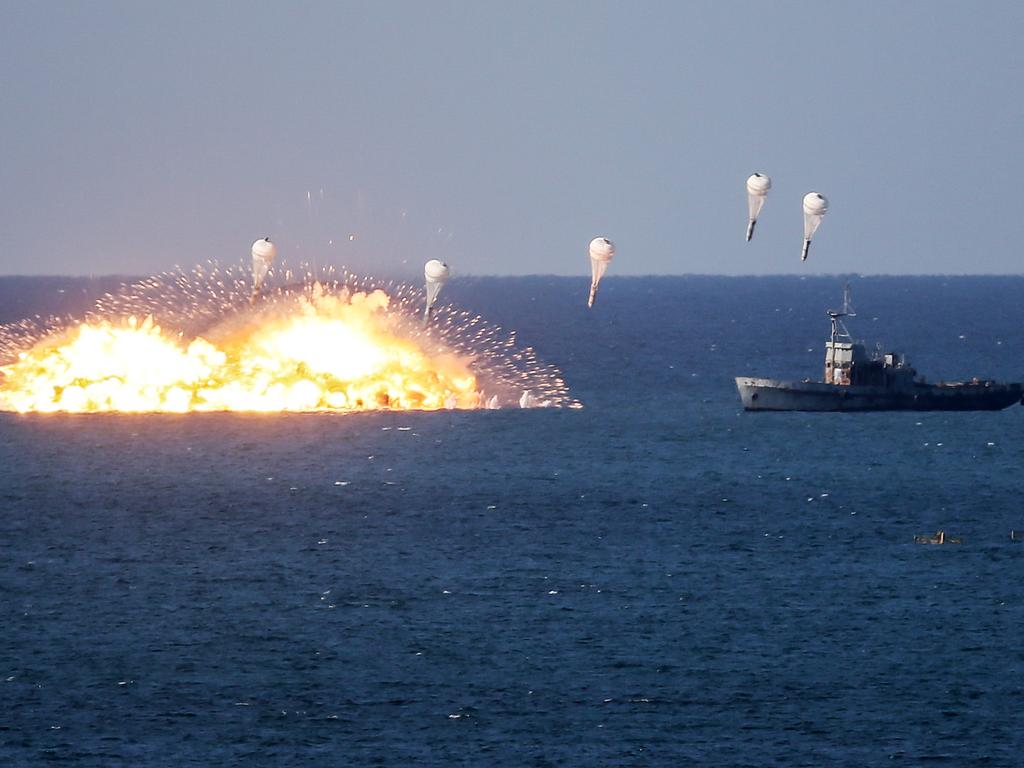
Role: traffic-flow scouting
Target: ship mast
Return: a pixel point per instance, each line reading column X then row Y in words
column 838, row 328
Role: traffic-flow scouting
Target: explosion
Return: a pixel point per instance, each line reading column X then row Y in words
column 318, row 345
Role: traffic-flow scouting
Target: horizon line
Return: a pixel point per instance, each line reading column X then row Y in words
column 642, row 275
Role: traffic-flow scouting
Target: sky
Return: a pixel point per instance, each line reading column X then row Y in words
column 501, row 137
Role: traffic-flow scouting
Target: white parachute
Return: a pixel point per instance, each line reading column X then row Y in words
column 815, row 208
column 601, row 252
column 757, row 190
column 435, row 273
column 263, row 254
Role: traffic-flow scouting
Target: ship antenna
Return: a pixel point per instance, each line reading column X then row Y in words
column 836, row 315
column 847, row 309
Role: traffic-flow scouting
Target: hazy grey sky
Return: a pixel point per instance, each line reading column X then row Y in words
column 502, row 136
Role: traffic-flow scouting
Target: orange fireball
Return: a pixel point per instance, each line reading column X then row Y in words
column 316, row 352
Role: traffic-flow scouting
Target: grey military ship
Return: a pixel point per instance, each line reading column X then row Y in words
column 856, row 381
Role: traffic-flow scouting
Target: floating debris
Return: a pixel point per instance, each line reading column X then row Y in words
column 940, row 537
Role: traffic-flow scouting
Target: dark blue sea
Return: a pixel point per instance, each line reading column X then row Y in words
column 656, row 579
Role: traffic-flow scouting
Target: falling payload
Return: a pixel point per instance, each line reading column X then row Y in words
column 815, row 208
column 601, row 252
column 436, row 274
column 263, row 254
column 757, row 191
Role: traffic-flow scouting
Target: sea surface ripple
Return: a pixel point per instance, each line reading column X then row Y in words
column 658, row 579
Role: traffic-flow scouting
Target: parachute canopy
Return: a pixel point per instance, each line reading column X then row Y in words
column 757, row 191
column 263, row 254
column 602, row 250
column 815, row 208
column 435, row 273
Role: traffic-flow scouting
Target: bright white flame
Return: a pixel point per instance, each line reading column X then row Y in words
column 325, row 352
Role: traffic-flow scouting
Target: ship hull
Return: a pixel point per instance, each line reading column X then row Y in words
column 775, row 395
